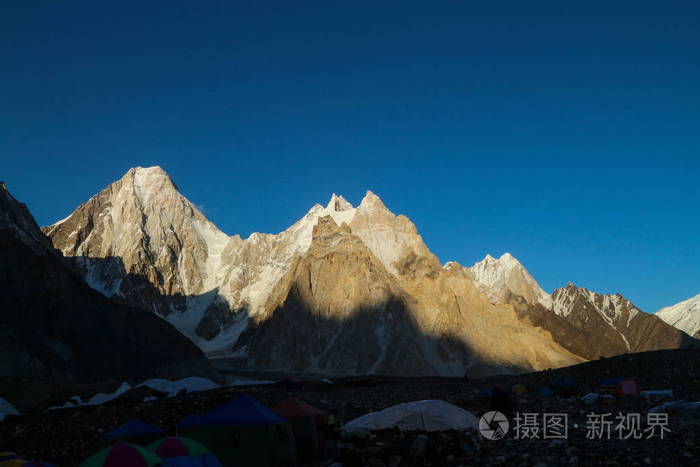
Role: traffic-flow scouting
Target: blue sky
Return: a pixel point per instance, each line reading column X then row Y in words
column 564, row 134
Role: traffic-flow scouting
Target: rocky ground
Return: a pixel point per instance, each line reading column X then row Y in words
column 65, row 437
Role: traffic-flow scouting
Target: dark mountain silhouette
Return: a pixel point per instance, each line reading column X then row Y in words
column 53, row 326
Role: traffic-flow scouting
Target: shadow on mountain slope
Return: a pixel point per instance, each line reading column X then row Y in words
column 298, row 337
column 108, row 276
column 55, row 328
column 383, row 338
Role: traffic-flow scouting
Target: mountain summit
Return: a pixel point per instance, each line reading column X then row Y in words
column 302, row 298
column 505, row 275
column 139, row 239
column 684, row 315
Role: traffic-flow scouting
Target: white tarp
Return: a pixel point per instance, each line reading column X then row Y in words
column 657, row 395
column 97, row 399
column 675, row 406
column 590, row 398
column 6, row 409
column 101, row 398
column 427, row 415
column 169, row 388
column 190, row 384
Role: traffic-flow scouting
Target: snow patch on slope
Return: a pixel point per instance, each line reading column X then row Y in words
column 216, row 241
column 611, row 308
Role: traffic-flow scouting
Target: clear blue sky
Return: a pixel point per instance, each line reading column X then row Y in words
column 566, row 135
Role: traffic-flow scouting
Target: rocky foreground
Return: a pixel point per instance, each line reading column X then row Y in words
column 66, row 437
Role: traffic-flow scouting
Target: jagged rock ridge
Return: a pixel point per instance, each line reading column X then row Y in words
column 588, row 324
column 613, row 324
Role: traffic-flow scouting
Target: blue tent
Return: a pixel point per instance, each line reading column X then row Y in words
column 243, row 410
column 188, row 422
column 134, row 428
column 611, row 381
column 243, row 432
column 133, row 431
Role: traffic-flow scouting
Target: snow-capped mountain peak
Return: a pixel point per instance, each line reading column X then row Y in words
column 148, row 181
column 141, row 225
column 338, row 203
column 498, row 278
column 684, row 315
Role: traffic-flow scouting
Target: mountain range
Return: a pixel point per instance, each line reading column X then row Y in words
column 344, row 290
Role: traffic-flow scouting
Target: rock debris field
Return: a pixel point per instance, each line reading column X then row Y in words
column 68, row 436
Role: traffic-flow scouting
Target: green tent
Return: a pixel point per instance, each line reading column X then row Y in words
column 244, row 432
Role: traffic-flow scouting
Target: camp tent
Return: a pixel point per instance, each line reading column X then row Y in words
column 23, row 463
column 427, row 415
column 134, row 431
column 244, row 432
column 188, row 422
column 123, row 454
column 628, row 387
column 177, row 451
column 308, row 425
column 608, row 385
column 7, row 455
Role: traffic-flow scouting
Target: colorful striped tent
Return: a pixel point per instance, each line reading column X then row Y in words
column 177, row 451
column 123, row 454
